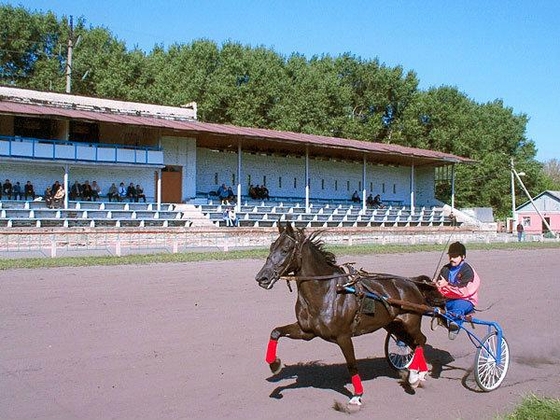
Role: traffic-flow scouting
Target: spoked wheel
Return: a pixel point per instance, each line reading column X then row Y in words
column 398, row 354
column 488, row 372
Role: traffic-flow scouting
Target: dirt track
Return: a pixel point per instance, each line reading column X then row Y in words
column 187, row 341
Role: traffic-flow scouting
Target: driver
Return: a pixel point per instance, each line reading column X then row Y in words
column 459, row 283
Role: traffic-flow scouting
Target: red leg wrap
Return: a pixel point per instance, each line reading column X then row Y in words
column 357, row 383
column 418, row 360
column 271, row 351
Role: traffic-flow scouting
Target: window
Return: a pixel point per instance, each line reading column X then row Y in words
column 371, row 186
column 347, row 185
column 360, row 186
column 232, row 179
column 216, row 178
column 279, row 182
column 394, row 188
column 295, row 183
column 264, row 180
column 383, row 188
column 322, row 184
column 336, row 184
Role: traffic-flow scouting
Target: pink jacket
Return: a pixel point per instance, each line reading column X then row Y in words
column 469, row 291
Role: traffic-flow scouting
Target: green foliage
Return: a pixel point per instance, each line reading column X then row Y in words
column 535, row 408
column 345, row 96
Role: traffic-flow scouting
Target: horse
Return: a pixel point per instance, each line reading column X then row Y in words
column 324, row 309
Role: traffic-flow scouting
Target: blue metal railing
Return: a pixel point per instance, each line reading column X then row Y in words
column 53, row 149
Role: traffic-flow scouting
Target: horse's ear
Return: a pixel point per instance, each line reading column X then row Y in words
column 289, row 229
column 280, row 227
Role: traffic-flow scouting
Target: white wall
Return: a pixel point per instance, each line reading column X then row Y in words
column 328, row 179
column 182, row 151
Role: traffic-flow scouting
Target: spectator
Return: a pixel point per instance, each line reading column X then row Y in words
column 16, row 191
column 29, row 191
column 230, row 195
column 253, row 192
column 232, row 218
column 520, row 230
column 95, row 190
column 264, row 193
column 58, row 197
column 55, row 187
column 225, row 217
column 122, row 192
column 377, row 202
column 223, row 194
column 7, row 189
column 75, row 191
column 356, row 197
column 48, row 197
column 369, row 200
column 131, row 193
column 113, row 193
column 87, row 191
column 140, row 193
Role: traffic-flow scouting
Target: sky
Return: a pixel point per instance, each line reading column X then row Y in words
column 488, row 49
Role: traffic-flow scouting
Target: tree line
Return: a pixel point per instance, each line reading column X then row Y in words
column 344, row 96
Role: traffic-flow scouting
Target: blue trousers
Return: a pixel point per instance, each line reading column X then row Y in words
column 459, row 307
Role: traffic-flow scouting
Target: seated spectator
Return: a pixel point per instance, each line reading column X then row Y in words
column 252, row 192
column 87, row 191
column 230, row 196
column 55, row 187
column 75, row 191
column 262, row 192
column 113, row 192
column 122, row 192
column 223, row 194
column 232, row 218
column 16, row 191
column 369, row 200
column 140, row 193
column 48, row 197
column 29, row 191
column 58, row 198
column 225, row 217
column 131, row 193
column 356, row 197
column 377, row 202
column 95, row 190
column 7, row 189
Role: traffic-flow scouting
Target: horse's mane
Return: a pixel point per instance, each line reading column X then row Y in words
column 318, row 244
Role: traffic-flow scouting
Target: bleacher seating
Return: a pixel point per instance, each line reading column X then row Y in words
column 327, row 214
column 253, row 214
column 15, row 213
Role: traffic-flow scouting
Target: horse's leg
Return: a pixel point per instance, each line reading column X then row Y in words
column 292, row 331
column 418, row 367
column 347, row 347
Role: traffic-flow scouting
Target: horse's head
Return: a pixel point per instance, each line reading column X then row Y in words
column 282, row 257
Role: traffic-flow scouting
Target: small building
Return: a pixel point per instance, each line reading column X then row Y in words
column 548, row 205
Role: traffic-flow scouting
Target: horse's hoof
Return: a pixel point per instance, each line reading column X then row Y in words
column 415, row 378
column 276, row 366
column 355, row 401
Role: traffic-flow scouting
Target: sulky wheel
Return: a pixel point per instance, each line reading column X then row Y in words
column 488, row 372
column 398, row 354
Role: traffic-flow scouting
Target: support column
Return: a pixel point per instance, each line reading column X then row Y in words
column 307, row 179
column 412, row 188
column 364, row 192
column 158, row 190
column 239, row 163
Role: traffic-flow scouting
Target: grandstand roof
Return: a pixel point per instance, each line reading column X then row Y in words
column 226, row 137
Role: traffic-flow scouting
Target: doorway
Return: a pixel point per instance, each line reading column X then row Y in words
column 171, row 184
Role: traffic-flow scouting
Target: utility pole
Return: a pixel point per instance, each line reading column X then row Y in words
column 69, row 58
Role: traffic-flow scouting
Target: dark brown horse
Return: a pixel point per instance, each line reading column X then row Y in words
column 325, row 310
